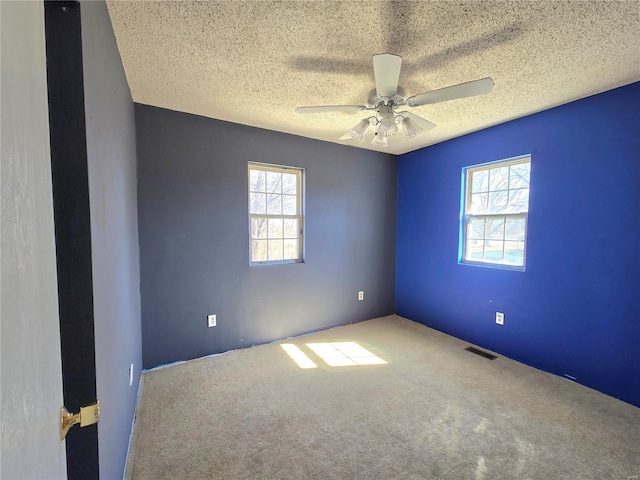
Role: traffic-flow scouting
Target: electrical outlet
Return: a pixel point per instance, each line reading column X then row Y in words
column 500, row 318
column 131, row 374
column 361, row 295
column 212, row 320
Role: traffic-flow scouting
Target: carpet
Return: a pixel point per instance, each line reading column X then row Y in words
column 432, row 411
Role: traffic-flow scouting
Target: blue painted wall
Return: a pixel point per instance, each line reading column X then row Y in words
column 194, row 237
column 576, row 308
column 111, row 159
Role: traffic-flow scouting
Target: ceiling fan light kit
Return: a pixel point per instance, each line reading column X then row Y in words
column 388, row 95
column 387, row 125
column 359, row 132
column 380, row 141
column 411, row 129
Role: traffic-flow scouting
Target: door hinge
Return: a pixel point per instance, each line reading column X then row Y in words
column 88, row 416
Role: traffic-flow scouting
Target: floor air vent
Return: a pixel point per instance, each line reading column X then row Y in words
column 482, row 353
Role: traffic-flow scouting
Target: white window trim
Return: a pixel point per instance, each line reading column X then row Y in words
column 267, row 167
column 465, row 217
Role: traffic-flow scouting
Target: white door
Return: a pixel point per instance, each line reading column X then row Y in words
column 31, row 376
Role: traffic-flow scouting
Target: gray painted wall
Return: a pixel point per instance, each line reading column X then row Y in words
column 194, row 244
column 31, row 373
column 111, row 156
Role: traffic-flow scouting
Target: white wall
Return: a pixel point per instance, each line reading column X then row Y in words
column 31, row 380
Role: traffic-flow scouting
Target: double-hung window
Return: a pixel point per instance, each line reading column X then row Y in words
column 494, row 213
column 275, row 214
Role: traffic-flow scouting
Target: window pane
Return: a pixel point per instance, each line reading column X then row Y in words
column 274, row 182
column 275, row 228
column 257, row 203
column 256, row 181
column 495, row 228
column 274, row 238
column 493, row 251
column 258, row 228
column 291, row 228
column 275, row 249
column 515, row 229
column 274, row 204
column 258, row 250
column 498, row 201
column 475, row 228
column 480, row 181
column 514, row 253
column 475, row 250
column 289, row 205
column 290, row 249
column 519, row 175
column 519, row 200
column 498, row 178
column 289, row 183
column 479, row 203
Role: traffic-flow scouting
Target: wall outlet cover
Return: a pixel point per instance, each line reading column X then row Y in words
column 500, row 318
column 211, row 320
column 361, row 295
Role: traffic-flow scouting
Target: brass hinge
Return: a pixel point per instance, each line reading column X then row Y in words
column 87, row 416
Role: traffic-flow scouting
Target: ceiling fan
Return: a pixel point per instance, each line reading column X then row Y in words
column 387, row 96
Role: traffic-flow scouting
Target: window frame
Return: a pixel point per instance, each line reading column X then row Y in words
column 465, row 216
column 300, row 191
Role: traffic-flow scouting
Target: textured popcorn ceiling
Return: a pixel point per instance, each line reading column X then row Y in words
column 254, row 62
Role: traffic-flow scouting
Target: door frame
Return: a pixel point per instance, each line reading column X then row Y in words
column 72, row 221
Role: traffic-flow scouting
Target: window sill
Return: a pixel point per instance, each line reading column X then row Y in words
column 495, row 266
column 276, row 263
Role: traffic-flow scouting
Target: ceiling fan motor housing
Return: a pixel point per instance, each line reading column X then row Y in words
column 398, row 99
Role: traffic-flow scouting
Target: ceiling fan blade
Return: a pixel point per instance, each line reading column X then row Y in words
column 386, row 68
column 469, row 89
column 424, row 124
column 332, row 108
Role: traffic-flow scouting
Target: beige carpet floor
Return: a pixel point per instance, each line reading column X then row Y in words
column 433, row 411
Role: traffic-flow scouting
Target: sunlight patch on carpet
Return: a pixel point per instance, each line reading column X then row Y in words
column 298, row 356
column 342, row 354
